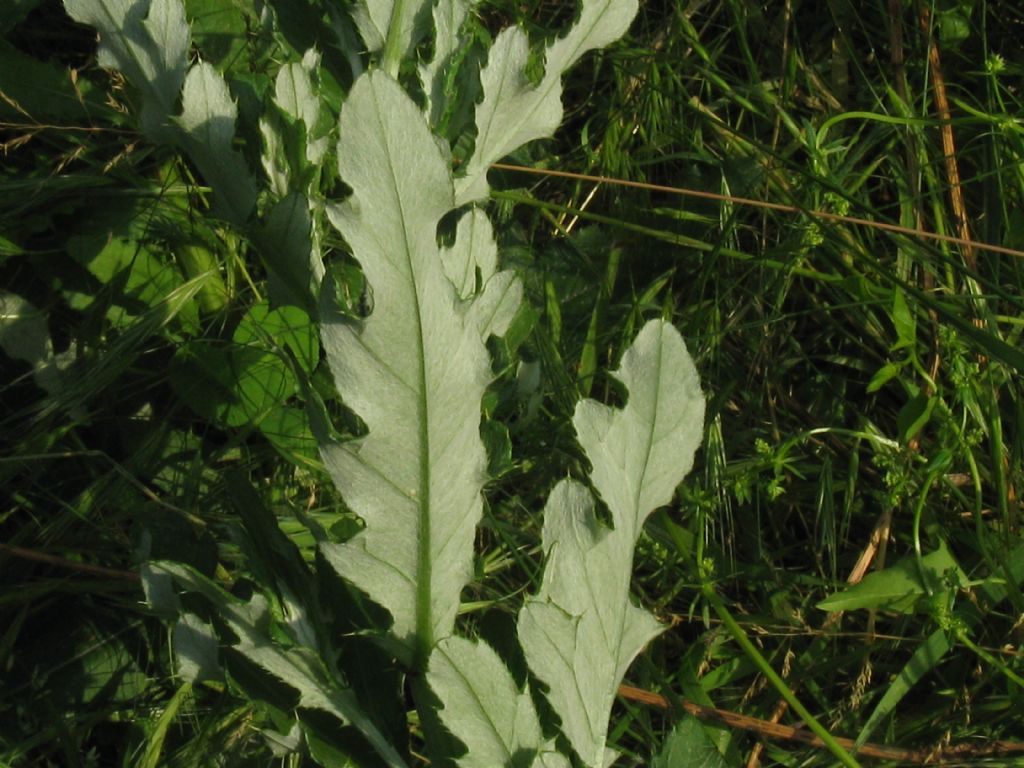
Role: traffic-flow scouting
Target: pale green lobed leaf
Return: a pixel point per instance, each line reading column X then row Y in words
column 299, row 667
column 292, row 154
column 195, row 649
column 147, row 40
column 483, row 707
column 641, row 453
column 581, row 632
column 600, row 24
column 208, row 121
column 513, row 110
column 473, row 259
column 551, row 759
column 474, row 250
column 414, row 371
column 579, row 637
column 449, row 16
column 296, row 94
column 274, row 157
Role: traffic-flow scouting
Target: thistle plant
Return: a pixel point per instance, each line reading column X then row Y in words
column 414, row 369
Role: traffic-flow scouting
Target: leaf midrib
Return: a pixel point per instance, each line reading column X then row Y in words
column 424, row 635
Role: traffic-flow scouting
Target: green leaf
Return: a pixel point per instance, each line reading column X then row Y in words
column 248, row 381
column 954, row 27
column 208, row 121
column 236, row 386
column 884, row 375
column 45, row 91
column 914, row 415
column 414, row 371
column 156, row 738
column 141, row 277
column 904, row 321
column 896, row 588
column 293, row 262
column 220, row 29
column 288, row 430
column 284, row 327
column 148, row 41
column 581, row 631
column 514, row 110
column 689, row 746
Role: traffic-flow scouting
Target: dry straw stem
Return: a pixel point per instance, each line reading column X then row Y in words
column 824, row 215
column 956, row 193
column 773, row 730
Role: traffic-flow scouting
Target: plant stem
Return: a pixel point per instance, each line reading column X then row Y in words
column 392, row 55
column 774, row 678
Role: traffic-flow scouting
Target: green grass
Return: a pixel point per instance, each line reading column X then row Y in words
column 854, row 376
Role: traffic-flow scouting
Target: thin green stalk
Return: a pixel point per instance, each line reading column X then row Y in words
column 740, row 636
column 392, row 56
column 938, row 466
column 156, row 741
column 961, row 635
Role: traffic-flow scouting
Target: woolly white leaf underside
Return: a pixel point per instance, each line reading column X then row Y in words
column 581, row 632
column 414, row 371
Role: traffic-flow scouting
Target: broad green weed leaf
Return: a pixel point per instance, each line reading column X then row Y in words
column 513, row 110
column 221, row 30
column 484, row 707
column 45, row 91
column 581, row 631
column 141, row 277
column 208, row 120
column 148, row 40
column 898, row 587
column 414, row 371
column 239, row 384
column 288, row 430
column 282, row 328
column 299, row 667
column 292, row 258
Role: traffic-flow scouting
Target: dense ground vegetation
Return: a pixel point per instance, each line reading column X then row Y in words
column 865, row 410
